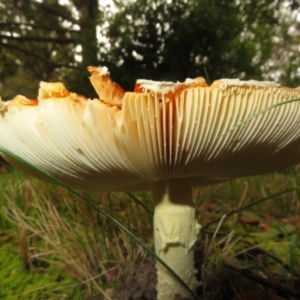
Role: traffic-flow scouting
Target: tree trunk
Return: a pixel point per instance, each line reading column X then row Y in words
column 88, row 17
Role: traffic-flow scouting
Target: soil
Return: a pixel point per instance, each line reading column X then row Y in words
column 141, row 281
column 140, row 284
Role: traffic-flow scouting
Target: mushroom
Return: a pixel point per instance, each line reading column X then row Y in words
column 164, row 137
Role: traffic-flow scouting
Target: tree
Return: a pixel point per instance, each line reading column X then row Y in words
column 284, row 64
column 41, row 39
column 172, row 40
column 159, row 40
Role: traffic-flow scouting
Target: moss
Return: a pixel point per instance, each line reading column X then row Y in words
column 18, row 283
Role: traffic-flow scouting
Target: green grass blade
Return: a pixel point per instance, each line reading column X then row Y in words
column 90, row 202
column 135, row 199
column 257, row 115
column 293, row 258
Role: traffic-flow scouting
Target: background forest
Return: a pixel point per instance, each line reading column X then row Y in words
column 54, row 40
column 53, row 246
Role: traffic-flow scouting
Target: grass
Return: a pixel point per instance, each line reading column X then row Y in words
column 55, row 246
column 55, row 229
column 17, row 282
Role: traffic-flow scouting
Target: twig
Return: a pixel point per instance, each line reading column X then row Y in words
column 254, row 247
column 263, row 281
column 271, row 255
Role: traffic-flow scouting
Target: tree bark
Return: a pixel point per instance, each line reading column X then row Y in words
column 88, row 11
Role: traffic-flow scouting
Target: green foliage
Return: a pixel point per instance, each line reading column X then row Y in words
column 172, row 40
column 40, row 39
column 19, row 83
column 286, row 57
column 159, row 40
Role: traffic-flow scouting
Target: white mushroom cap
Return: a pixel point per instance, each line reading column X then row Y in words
column 154, row 135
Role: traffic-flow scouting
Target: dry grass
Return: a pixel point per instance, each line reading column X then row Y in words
column 55, row 228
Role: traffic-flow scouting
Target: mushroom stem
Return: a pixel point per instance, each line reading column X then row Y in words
column 175, row 233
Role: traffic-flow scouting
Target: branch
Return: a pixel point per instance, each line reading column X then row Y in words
column 14, row 24
column 38, row 39
column 54, row 10
column 56, row 65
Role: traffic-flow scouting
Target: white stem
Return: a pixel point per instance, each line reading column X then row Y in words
column 175, row 233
